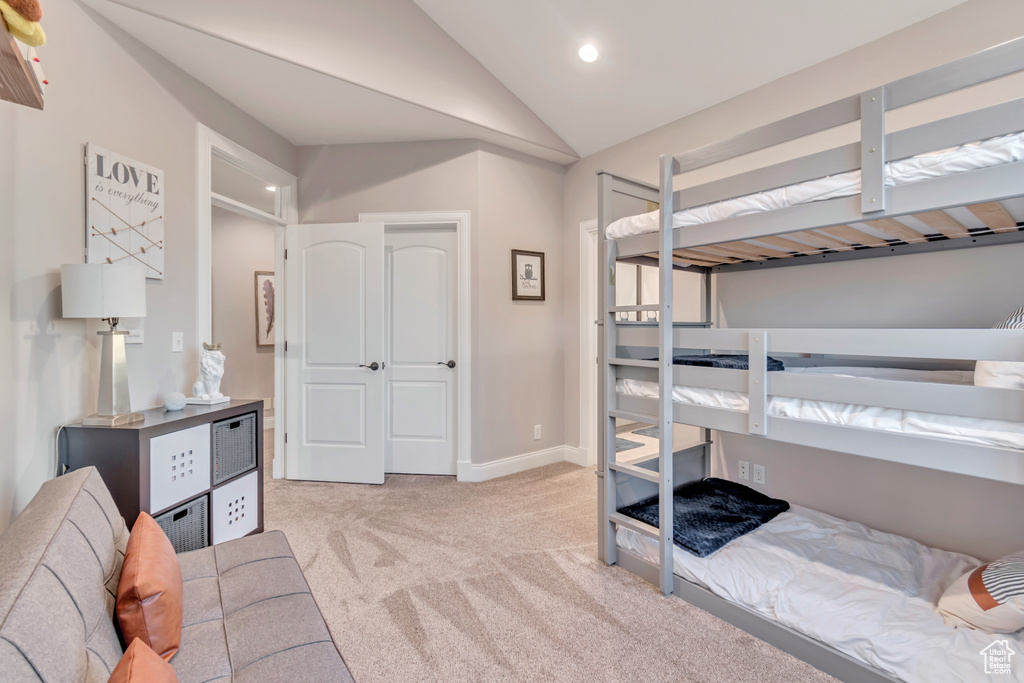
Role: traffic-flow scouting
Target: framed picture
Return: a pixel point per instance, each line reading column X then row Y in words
column 527, row 275
column 264, row 308
column 124, row 211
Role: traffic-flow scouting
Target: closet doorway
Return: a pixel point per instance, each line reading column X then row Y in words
column 378, row 345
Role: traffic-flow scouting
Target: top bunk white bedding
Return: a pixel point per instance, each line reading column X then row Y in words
column 968, row 157
column 965, row 429
column 869, row 594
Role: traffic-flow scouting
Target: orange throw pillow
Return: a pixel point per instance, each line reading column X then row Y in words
column 139, row 664
column 150, row 589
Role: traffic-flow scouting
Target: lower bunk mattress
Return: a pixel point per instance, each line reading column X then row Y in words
column 966, row 429
column 868, row 594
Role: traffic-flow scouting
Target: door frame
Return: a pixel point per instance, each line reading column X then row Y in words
column 286, row 211
column 588, row 340
column 460, row 220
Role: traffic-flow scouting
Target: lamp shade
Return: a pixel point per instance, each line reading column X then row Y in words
column 102, row 291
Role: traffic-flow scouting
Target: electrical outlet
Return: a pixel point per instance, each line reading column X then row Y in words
column 177, row 342
column 536, row 432
column 744, row 470
column 759, row 474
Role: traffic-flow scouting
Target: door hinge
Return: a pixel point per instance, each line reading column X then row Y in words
column 285, row 254
column 286, row 437
column 286, row 346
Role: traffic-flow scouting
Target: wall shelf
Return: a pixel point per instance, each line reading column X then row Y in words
column 18, row 83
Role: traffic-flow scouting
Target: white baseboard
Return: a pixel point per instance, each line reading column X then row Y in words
column 468, row 471
column 578, row 456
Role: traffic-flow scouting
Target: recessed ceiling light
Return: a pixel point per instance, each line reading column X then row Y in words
column 271, row 189
column 588, row 53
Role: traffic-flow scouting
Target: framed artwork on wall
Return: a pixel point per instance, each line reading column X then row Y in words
column 527, row 275
column 264, row 308
column 124, row 211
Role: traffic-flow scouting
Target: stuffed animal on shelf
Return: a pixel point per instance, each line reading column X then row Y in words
column 22, row 17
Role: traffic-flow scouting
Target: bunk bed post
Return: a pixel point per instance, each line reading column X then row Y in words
column 872, row 151
column 606, row 253
column 665, row 353
column 709, row 322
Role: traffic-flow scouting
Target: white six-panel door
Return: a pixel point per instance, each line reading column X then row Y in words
column 422, row 336
column 335, row 328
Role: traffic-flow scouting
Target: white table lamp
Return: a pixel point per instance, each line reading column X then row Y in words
column 108, row 292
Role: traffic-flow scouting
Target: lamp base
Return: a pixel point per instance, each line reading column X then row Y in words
column 112, row 420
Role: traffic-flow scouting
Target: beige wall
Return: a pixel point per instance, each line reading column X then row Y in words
column 515, row 201
column 104, row 88
column 962, row 289
column 241, row 246
column 518, row 352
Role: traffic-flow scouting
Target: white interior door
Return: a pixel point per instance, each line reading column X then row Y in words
column 422, row 333
column 335, row 337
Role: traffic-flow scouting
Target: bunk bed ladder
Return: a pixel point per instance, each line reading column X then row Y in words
column 609, row 468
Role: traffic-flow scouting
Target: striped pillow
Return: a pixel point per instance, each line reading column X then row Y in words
column 1014, row 321
column 998, row 373
column 998, row 582
column 989, row 598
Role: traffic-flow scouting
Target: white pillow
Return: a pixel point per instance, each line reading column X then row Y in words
column 998, row 373
column 989, row 598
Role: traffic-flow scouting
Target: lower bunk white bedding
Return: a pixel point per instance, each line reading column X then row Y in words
column 971, row 156
column 966, row 429
column 868, row 594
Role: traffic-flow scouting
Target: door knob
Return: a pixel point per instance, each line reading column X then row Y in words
column 450, row 364
column 373, row 366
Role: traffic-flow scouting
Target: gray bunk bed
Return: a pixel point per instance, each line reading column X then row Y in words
column 855, row 223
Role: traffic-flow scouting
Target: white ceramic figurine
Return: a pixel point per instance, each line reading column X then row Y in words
column 211, row 371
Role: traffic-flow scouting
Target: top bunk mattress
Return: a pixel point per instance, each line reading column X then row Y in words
column 869, row 594
column 968, row 157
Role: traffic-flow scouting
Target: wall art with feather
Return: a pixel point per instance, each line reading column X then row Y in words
column 264, row 308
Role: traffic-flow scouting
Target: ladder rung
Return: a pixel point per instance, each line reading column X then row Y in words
column 636, row 525
column 639, row 459
column 633, row 417
column 633, row 362
column 634, row 471
column 634, row 309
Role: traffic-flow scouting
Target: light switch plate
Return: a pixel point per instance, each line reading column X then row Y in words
column 744, row 470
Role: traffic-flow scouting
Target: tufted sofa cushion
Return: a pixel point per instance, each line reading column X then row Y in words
column 250, row 616
column 248, row 612
column 59, row 565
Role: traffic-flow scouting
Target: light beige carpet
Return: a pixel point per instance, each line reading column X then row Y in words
column 427, row 579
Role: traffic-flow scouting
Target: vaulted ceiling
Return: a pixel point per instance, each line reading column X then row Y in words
column 346, row 71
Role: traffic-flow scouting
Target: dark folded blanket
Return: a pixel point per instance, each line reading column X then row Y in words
column 724, row 361
column 709, row 514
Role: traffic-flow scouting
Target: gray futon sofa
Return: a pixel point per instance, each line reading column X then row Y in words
column 248, row 611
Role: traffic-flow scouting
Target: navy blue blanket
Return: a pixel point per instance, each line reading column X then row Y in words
column 715, row 360
column 709, row 514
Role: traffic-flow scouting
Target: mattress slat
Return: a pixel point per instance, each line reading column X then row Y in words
column 823, row 241
column 854, row 235
column 788, row 244
column 722, row 250
column 897, row 230
column 943, row 222
column 754, row 250
column 993, row 215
